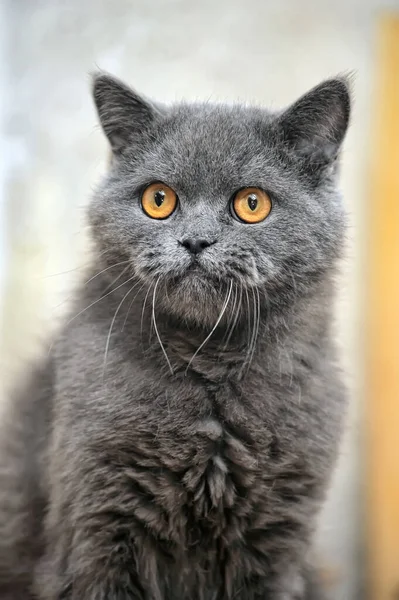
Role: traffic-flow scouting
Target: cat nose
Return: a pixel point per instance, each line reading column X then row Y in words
column 196, row 245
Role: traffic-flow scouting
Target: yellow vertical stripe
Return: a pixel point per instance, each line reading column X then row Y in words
column 382, row 363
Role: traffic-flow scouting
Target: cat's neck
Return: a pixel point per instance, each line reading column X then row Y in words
column 127, row 307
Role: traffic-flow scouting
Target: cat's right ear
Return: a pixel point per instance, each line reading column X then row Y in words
column 123, row 114
column 316, row 124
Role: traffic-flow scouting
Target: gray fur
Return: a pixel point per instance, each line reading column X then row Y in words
column 141, row 463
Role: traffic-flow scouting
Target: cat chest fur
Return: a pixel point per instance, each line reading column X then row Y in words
column 193, row 480
column 223, row 470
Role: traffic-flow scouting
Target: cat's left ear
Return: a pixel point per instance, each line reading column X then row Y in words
column 123, row 114
column 315, row 126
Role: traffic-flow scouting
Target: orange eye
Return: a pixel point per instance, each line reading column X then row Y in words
column 252, row 205
column 158, row 201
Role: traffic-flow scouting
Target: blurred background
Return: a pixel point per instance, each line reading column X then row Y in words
column 263, row 51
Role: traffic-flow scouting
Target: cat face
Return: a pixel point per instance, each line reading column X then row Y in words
column 206, row 198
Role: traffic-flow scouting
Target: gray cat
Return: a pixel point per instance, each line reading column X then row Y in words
column 179, row 442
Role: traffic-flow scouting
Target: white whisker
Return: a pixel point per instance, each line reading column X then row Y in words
column 123, row 262
column 98, row 300
column 252, row 330
column 236, row 317
column 256, row 325
column 293, row 281
column 231, row 314
column 86, row 282
column 118, row 277
column 131, row 304
column 78, row 268
column 142, row 313
column 248, row 327
column 89, row 306
column 113, row 321
column 214, row 327
column 156, row 328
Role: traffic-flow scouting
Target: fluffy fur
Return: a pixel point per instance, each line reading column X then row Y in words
column 179, row 442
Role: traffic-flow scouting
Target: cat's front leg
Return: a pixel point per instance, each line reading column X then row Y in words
column 91, row 570
column 91, row 537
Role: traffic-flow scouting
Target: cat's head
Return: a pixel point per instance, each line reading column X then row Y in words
column 205, row 199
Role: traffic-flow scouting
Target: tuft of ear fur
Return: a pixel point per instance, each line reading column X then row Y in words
column 122, row 112
column 316, row 124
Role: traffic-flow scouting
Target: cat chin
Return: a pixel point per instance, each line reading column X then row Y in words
column 195, row 287
column 194, row 297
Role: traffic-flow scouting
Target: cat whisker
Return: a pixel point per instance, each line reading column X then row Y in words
column 293, row 281
column 118, row 277
column 166, row 291
column 223, row 310
column 94, row 276
column 92, row 304
column 79, row 268
column 230, row 318
column 99, row 299
column 142, row 313
column 62, row 272
column 113, row 321
column 239, row 311
column 131, row 304
column 248, row 326
column 123, row 262
column 236, row 317
column 156, row 328
column 252, row 328
column 256, row 324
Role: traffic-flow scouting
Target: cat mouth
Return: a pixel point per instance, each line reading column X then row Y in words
column 195, row 272
column 195, row 267
column 199, row 269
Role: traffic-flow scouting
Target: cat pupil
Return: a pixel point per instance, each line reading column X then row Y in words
column 252, row 201
column 159, row 197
